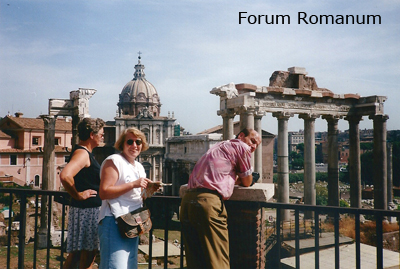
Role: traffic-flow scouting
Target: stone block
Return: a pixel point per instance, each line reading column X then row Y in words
column 297, row 70
column 259, row 192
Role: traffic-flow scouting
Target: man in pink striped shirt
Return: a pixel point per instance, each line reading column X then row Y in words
column 203, row 214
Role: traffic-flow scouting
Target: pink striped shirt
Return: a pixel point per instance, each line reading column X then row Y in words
column 218, row 167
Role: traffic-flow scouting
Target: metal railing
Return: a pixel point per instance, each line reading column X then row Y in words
column 163, row 207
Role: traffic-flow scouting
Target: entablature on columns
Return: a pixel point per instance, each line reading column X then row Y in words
column 308, row 116
column 282, row 115
column 305, row 99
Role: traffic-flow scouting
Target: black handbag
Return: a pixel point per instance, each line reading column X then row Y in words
column 135, row 223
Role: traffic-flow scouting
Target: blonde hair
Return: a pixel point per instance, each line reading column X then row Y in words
column 119, row 145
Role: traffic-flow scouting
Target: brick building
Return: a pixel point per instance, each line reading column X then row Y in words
column 21, row 149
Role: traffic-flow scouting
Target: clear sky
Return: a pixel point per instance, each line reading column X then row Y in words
column 51, row 47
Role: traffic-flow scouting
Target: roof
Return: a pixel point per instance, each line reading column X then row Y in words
column 36, row 123
column 4, row 135
column 139, row 89
column 57, row 149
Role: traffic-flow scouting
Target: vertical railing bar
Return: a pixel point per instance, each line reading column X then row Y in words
column 62, row 234
column 150, row 247
column 316, row 244
column 9, row 230
column 166, row 206
column 336, row 221
column 22, row 229
column 36, row 230
column 278, row 234
column 49, row 203
column 379, row 241
column 181, row 250
column 297, row 237
column 290, row 228
column 358, row 241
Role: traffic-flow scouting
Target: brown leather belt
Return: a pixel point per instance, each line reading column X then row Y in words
column 205, row 190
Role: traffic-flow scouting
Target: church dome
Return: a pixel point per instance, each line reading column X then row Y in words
column 138, row 95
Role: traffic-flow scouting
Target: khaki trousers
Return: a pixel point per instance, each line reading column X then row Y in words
column 205, row 231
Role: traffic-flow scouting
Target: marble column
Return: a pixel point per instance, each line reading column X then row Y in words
column 283, row 162
column 227, row 127
column 354, row 161
column 246, row 117
column 310, row 197
column 333, row 161
column 380, row 162
column 390, row 175
column 247, row 121
column 75, row 121
column 80, row 99
column 48, row 176
column 258, row 151
column 153, row 168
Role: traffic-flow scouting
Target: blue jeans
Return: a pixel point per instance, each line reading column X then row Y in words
column 116, row 252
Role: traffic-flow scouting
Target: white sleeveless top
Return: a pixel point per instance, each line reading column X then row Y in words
column 130, row 200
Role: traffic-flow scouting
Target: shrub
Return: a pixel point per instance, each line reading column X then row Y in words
column 343, row 203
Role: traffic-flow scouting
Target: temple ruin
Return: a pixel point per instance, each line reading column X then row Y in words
column 293, row 92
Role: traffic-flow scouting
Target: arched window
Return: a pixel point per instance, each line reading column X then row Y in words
column 37, row 181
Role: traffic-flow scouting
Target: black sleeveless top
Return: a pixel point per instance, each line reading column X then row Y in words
column 87, row 178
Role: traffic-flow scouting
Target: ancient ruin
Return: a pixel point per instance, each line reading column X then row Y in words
column 293, row 92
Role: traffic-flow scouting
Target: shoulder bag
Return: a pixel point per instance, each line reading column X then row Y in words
column 134, row 223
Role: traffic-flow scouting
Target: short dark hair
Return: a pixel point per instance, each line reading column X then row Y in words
column 245, row 131
column 88, row 125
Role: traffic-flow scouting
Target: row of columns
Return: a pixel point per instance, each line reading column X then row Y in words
column 249, row 118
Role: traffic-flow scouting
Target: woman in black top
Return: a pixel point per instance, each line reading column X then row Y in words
column 81, row 179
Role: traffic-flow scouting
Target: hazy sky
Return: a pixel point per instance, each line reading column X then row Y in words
column 51, row 47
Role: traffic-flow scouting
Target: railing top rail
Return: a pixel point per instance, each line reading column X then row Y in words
column 32, row 192
column 301, row 207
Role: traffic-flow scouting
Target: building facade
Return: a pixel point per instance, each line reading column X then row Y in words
column 22, row 145
column 139, row 106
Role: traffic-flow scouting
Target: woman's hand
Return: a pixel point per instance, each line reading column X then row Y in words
column 141, row 183
column 86, row 194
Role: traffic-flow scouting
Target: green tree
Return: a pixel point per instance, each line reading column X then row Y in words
column 367, row 167
column 296, row 160
column 321, row 195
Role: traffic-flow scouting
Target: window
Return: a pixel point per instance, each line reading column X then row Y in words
column 13, row 159
column 57, row 141
column 36, row 141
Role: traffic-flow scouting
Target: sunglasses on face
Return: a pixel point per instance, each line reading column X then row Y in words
column 130, row 142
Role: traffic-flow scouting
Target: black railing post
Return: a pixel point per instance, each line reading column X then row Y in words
column 36, row 230
column 49, row 201
column 22, row 230
column 181, row 250
column 337, row 250
column 297, row 239
column 62, row 236
column 150, row 247
column 9, row 229
column 379, row 241
column 358, row 241
column 167, row 218
column 316, row 237
column 278, row 235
